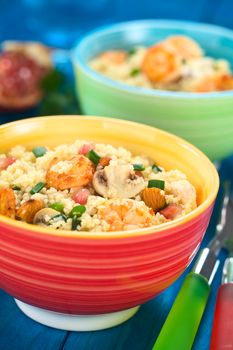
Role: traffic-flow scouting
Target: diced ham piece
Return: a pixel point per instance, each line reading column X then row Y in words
column 171, row 211
column 80, row 196
column 84, row 149
column 5, row 162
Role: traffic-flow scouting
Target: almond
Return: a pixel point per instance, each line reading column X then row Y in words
column 7, row 202
column 28, row 210
column 153, row 198
column 104, row 161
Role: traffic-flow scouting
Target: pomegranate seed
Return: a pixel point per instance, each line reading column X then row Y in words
column 81, row 196
column 171, row 211
column 86, row 148
column 5, row 162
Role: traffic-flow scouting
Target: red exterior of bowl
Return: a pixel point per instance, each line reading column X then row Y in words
column 94, row 276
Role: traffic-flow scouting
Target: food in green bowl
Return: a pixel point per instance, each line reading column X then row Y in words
column 205, row 119
column 177, row 63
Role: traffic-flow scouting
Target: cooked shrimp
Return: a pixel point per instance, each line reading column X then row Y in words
column 126, row 216
column 208, row 84
column 74, row 172
column 116, row 56
column 185, row 47
column 185, row 193
column 161, row 64
column 7, row 202
column 226, row 82
column 214, row 83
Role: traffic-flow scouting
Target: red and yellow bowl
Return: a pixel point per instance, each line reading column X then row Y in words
column 95, row 272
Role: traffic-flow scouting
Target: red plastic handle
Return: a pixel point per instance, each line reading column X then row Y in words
column 222, row 334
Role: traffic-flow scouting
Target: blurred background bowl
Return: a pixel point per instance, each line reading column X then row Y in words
column 204, row 119
column 91, row 273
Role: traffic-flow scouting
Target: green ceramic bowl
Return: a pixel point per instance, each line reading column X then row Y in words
column 205, row 120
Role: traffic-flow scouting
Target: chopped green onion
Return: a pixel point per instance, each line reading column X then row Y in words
column 39, row 151
column 132, row 51
column 59, row 217
column 134, row 72
column 37, row 188
column 78, row 211
column 215, row 65
column 138, row 167
column 156, row 183
column 75, row 223
column 57, row 206
column 93, row 156
column 16, row 188
column 156, row 169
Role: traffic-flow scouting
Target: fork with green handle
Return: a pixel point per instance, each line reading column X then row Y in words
column 181, row 325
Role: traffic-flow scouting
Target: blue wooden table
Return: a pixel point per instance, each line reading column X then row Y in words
column 59, row 23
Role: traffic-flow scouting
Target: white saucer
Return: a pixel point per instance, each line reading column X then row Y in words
column 71, row 322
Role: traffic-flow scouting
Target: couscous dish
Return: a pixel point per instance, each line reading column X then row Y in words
column 177, row 63
column 88, row 186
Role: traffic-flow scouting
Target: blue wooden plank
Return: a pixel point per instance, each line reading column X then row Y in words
column 139, row 333
column 18, row 332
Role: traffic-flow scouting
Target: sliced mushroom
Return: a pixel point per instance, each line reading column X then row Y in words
column 44, row 215
column 118, row 181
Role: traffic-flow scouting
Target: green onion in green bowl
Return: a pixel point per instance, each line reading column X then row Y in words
column 134, row 72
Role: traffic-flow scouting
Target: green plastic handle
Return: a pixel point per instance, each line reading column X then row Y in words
column 181, row 325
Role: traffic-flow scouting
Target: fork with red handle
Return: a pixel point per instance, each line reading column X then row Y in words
column 222, row 333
